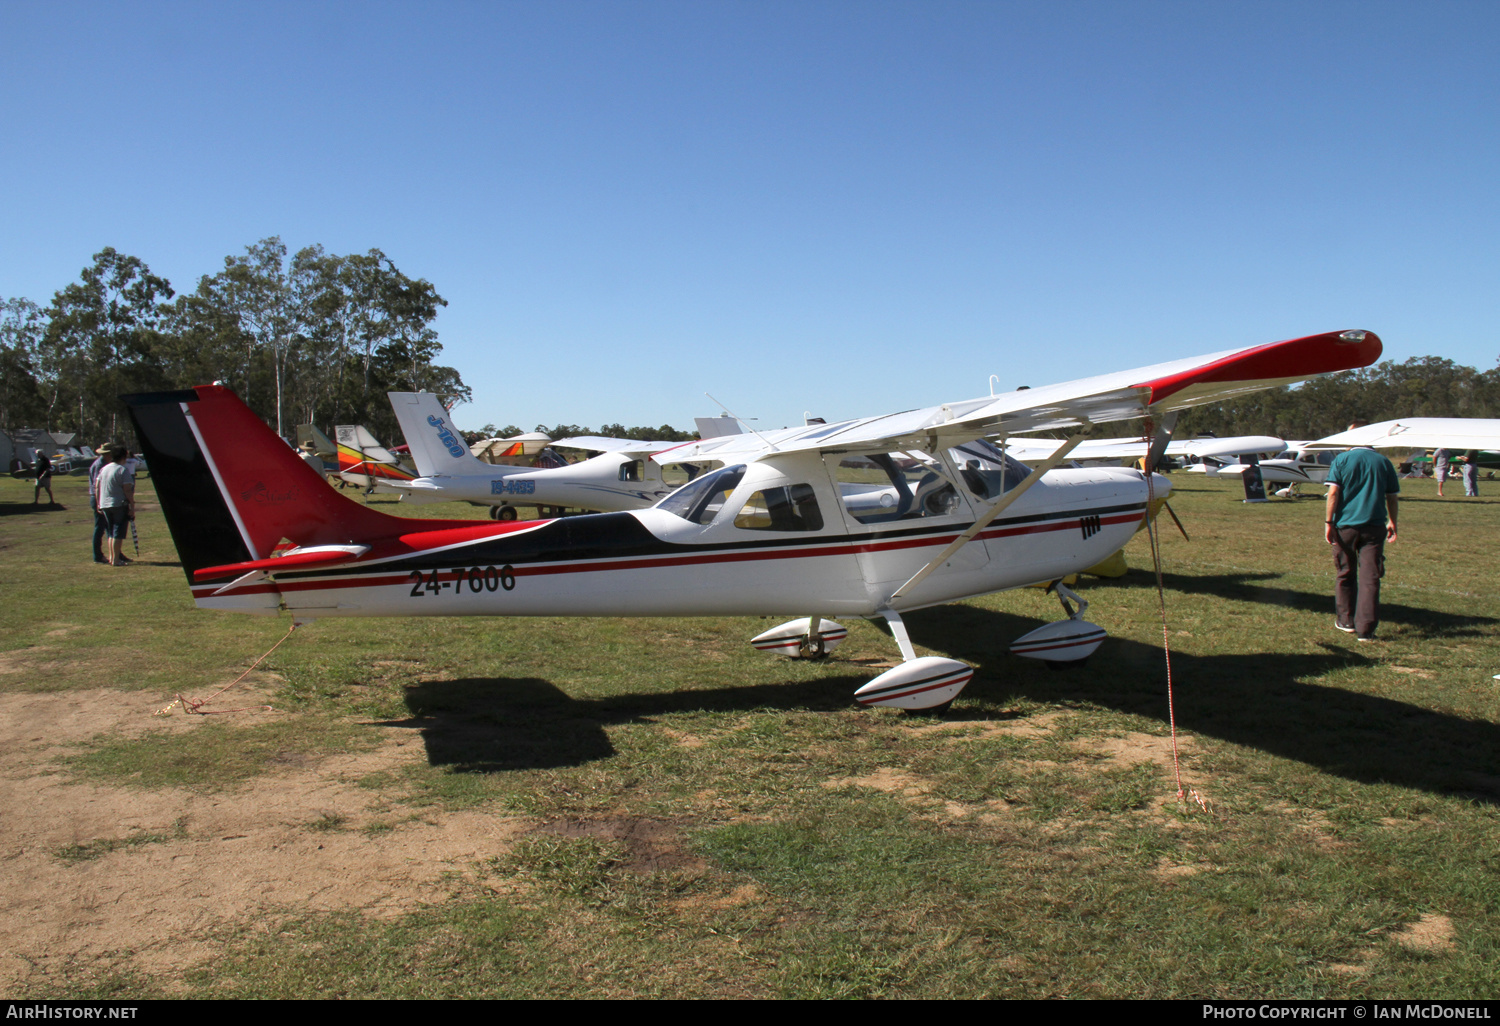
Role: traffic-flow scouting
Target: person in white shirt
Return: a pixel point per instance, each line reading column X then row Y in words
column 116, row 490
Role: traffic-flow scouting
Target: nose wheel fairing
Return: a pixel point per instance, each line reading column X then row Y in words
column 1065, row 641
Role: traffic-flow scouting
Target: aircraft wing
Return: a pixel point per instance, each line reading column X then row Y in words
column 1026, row 449
column 1146, row 392
column 628, row 446
column 1233, row 446
column 1418, row 433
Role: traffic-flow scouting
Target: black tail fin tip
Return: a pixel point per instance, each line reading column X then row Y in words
column 202, row 526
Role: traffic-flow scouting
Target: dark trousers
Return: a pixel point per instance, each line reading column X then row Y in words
column 101, row 525
column 1359, row 562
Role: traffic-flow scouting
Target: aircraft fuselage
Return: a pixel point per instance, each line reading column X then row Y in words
column 655, row 562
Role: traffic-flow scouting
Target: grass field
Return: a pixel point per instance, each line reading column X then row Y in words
column 607, row 808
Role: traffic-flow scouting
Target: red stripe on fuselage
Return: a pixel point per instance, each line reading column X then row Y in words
column 375, row 578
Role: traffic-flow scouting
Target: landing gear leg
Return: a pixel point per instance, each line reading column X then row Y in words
column 1064, row 594
column 898, row 631
column 929, row 684
column 812, row 646
column 1066, row 642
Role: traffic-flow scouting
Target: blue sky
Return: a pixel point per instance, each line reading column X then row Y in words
column 842, row 208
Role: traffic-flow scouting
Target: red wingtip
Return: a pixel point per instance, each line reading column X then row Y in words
column 1291, row 360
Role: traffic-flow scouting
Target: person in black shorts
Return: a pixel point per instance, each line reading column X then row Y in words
column 43, row 472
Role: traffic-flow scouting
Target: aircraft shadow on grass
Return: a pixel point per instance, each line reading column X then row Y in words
column 1268, row 701
column 1265, row 701
column 485, row 725
column 1246, row 586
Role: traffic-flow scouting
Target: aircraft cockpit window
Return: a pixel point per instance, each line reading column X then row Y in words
column 881, row 487
column 635, row 470
column 701, row 500
column 791, row 508
column 987, row 472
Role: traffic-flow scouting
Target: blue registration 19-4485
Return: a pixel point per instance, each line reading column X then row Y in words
column 505, row 486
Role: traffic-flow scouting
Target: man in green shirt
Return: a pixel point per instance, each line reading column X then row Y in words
column 1360, row 518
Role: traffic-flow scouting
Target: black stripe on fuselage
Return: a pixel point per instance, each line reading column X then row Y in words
column 616, row 536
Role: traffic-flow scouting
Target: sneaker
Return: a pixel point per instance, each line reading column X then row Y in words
column 1347, row 628
column 1364, row 637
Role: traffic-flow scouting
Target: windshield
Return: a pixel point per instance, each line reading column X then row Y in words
column 986, row 470
column 700, row 501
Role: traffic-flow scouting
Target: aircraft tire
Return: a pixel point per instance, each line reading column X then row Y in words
column 505, row 513
column 936, row 710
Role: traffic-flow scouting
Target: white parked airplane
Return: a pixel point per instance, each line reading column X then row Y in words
column 1308, row 462
column 619, row 478
column 868, row 518
column 1418, row 433
column 1117, row 450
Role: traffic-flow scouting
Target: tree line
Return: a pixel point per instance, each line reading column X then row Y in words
column 1424, row 386
column 314, row 337
column 665, row 433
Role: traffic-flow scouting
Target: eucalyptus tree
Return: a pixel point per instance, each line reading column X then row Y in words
column 110, row 317
column 255, row 290
column 22, row 325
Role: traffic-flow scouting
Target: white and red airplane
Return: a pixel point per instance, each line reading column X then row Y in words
column 869, row 518
column 621, row 478
column 1297, row 465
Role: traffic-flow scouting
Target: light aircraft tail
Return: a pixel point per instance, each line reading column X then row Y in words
column 436, row 445
column 364, row 461
column 233, row 492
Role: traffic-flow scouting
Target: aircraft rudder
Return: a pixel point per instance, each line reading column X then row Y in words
column 198, row 517
column 245, row 484
column 436, row 444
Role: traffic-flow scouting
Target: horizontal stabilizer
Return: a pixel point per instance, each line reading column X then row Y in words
column 301, row 559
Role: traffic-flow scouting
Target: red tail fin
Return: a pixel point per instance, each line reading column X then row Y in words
column 270, row 492
column 232, row 490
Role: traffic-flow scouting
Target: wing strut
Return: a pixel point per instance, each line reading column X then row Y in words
column 994, row 511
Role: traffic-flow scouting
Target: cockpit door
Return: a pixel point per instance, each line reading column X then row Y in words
column 905, row 507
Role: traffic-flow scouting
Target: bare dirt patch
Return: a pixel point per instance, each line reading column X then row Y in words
column 1168, row 871
column 1134, row 749
column 1432, row 933
column 88, row 871
column 1022, row 726
column 683, row 738
column 745, row 894
column 1028, row 727
column 891, row 781
column 918, row 791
